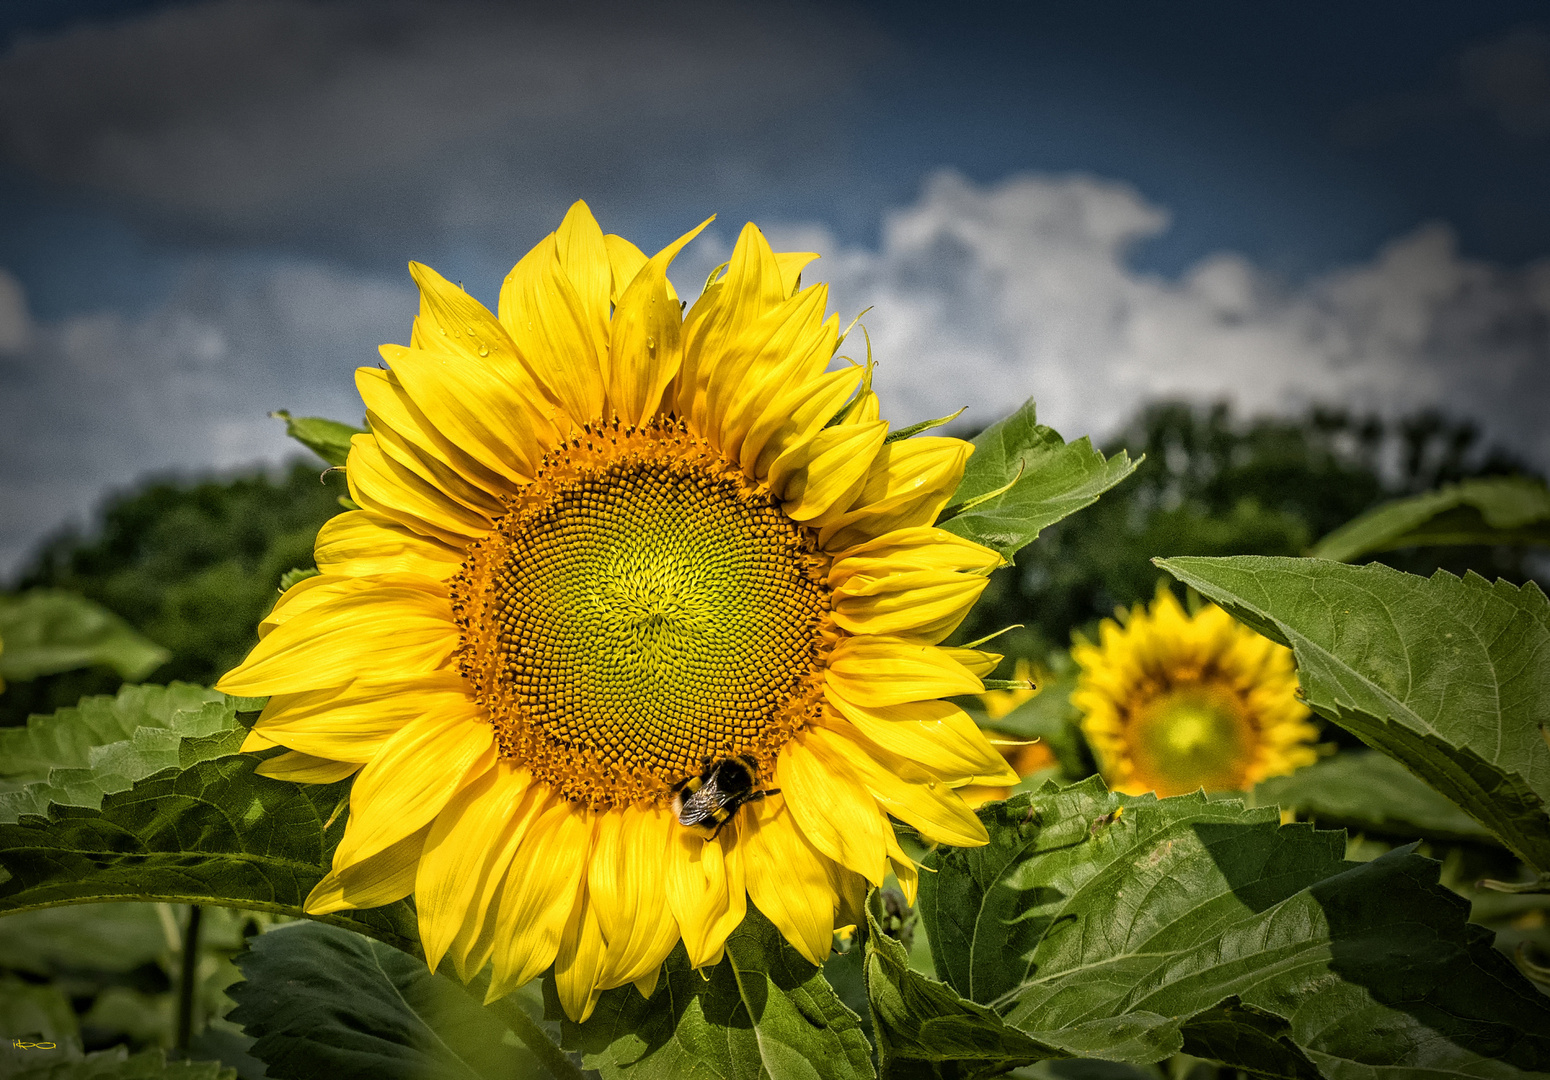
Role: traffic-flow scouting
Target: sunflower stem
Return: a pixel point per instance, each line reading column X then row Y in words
column 188, row 977
column 549, row 1054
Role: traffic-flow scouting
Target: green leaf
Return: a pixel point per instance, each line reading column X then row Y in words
column 37, row 1012
column 104, row 744
column 291, row 577
column 1197, row 920
column 328, row 439
column 97, row 937
column 329, row 1004
column 1491, row 510
column 1371, row 793
column 763, row 1011
column 47, row 630
column 115, row 1064
column 1449, row 675
column 1049, row 480
column 924, row 1029
column 210, row 832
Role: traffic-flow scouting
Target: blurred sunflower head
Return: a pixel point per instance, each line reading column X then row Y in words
column 1173, row 702
column 603, row 548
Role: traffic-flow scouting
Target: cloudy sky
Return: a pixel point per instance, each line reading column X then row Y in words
column 206, row 207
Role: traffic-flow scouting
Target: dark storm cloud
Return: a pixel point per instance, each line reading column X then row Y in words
column 270, row 119
column 1504, row 80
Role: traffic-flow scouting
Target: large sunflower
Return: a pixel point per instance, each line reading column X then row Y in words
column 1172, row 702
column 602, row 547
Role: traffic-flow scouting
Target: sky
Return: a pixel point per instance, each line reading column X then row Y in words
column 206, row 208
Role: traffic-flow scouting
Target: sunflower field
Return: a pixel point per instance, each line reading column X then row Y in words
column 633, row 699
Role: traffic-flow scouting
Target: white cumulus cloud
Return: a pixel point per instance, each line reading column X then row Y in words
column 983, row 296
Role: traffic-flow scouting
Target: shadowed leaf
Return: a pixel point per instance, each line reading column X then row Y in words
column 328, row 1004
column 43, row 631
column 1448, row 675
column 1489, row 510
column 1371, row 793
column 1249, row 943
column 763, row 1011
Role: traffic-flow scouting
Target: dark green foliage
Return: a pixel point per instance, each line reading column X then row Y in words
column 763, row 1011
column 328, row 1004
column 1449, row 675
column 1192, row 923
column 192, row 566
column 1481, row 512
column 1370, row 793
column 43, row 631
column 1215, row 485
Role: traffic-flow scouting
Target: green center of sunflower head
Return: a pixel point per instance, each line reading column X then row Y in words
column 1191, row 736
column 641, row 608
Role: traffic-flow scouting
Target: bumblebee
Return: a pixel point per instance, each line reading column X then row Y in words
column 709, row 800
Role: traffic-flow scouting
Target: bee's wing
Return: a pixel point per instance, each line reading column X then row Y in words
column 700, row 808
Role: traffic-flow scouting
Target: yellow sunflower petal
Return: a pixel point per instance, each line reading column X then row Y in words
column 389, row 405
column 909, row 483
column 467, row 852
column 751, row 287
column 628, row 889
column 382, row 485
column 705, row 889
column 789, row 345
column 834, row 810
column 826, row 471
column 584, row 258
column 936, row 734
column 307, row 595
column 920, row 548
column 880, row 670
column 907, row 792
column 396, row 629
column 923, row 604
column 579, row 963
column 794, row 417
column 646, row 348
column 453, row 322
column 352, row 722
column 306, row 768
column 979, row 662
column 789, row 879
column 256, row 741
column 381, row 879
column 556, row 334
column 624, row 262
column 482, row 412
column 417, row 772
column 541, row 889
column 358, row 543
column 791, row 264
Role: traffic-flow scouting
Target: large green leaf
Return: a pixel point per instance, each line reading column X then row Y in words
column 763, row 1011
column 47, row 630
column 1372, row 793
column 1195, row 923
column 104, row 744
column 109, row 938
column 115, row 1064
column 1449, row 675
column 1053, row 479
column 328, row 439
column 328, row 1004
column 924, row 1029
column 212, row 832
column 1490, row 510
